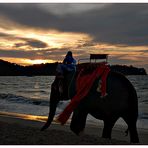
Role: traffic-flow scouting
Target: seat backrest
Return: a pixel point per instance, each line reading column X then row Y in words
column 98, row 57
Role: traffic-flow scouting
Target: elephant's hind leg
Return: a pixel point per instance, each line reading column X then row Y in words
column 107, row 130
column 132, row 129
column 133, row 133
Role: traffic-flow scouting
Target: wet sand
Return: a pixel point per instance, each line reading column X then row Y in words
column 16, row 131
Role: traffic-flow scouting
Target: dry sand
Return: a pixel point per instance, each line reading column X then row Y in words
column 15, row 131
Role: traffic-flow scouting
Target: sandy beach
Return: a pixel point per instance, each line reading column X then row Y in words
column 16, row 131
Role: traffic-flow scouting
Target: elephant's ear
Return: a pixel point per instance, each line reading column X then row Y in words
column 71, row 84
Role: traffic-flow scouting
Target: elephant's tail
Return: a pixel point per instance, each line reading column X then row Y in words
column 126, row 132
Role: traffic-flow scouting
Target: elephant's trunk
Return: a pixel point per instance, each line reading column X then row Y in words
column 54, row 100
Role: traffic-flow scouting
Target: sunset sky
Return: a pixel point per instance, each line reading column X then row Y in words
column 40, row 33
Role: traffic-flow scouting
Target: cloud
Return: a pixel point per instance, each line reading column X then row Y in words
column 19, row 54
column 32, row 43
column 36, row 43
column 3, row 35
column 27, row 14
column 35, row 54
column 144, row 51
column 110, row 23
column 69, row 8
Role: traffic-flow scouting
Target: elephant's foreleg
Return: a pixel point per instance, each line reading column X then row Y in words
column 78, row 121
column 107, row 130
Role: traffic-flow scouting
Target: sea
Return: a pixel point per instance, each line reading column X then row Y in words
column 28, row 98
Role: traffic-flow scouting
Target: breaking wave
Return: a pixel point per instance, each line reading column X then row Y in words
column 20, row 99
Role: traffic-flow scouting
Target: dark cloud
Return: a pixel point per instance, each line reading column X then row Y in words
column 144, row 51
column 28, row 14
column 31, row 42
column 40, row 54
column 3, row 35
column 28, row 41
column 55, row 53
column 114, row 24
column 19, row 54
column 19, row 44
column 113, row 60
column 37, row 44
column 35, row 54
column 86, row 44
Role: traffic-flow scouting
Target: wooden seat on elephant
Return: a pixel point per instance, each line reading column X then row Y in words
column 95, row 61
column 95, row 58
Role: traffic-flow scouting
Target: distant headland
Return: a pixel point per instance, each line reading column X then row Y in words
column 49, row 69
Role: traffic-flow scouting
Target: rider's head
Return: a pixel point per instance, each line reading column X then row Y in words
column 69, row 53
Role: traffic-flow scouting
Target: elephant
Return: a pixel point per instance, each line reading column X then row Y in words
column 120, row 101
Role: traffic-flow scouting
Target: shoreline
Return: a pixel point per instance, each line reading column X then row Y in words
column 18, row 131
column 44, row 119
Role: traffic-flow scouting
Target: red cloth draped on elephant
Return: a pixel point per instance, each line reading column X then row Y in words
column 83, row 86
